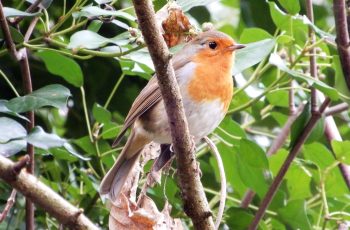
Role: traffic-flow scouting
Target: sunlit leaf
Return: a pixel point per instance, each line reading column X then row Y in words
column 50, row 95
column 277, row 61
column 294, row 214
column 254, row 35
column 10, row 129
column 252, row 54
column 293, row 7
column 4, row 109
column 11, row 12
column 342, row 150
column 187, row 5
column 253, row 166
column 12, row 147
column 39, row 138
column 90, row 11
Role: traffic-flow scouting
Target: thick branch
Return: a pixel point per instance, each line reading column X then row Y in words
column 342, row 40
column 43, row 196
column 195, row 203
column 284, row 168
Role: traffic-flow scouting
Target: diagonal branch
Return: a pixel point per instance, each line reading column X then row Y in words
column 43, row 196
column 195, row 203
column 284, row 168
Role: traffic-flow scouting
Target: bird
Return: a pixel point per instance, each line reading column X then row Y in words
column 203, row 70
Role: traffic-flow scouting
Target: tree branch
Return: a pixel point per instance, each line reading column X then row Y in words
column 195, row 203
column 312, row 53
column 342, row 40
column 284, row 168
column 43, row 196
column 275, row 146
column 10, row 202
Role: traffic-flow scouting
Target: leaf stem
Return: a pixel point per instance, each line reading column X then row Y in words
column 87, row 119
column 9, row 83
column 116, row 86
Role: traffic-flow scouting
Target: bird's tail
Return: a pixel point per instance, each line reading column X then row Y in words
column 114, row 180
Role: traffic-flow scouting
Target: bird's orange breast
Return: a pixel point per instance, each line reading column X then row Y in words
column 212, row 79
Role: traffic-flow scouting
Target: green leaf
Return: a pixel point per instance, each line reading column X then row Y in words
column 230, row 131
column 101, row 114
column 16, row 35
column 240, row 219
column 91, row 11
column 50, row 95
column 91, row 40
column 294, row 214
column 4, row 109
column 43, row 4
column 252, row 54
column 278, row 98
column 12, row 147
column 62, row 66
column 110, row 130
column 342, row 151
column 293, row 7
column 253, row 166
column 87, row 39
column 277, row 61
column 300, row 124
column 187, row 5
column 11, row 12
column 254, row 35
column 287, row 22
column 285, row 39
column 74, row 152
column 319, row 155
column 298, row 182
column 39, row 138
column 95, row 25
column 10, row 129
column 340, row 83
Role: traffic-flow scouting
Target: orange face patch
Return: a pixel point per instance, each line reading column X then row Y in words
column 212, row 78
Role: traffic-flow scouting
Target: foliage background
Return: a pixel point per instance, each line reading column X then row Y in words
column 313, row 194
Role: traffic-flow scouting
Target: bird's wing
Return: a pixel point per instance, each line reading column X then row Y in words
column 149, row 96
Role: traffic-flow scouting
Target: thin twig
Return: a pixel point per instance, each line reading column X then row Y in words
column 312, row 53
column 284, row 168
column 223, row 189
column 195, row 203
column 337, row 109
column 10, row 202
column 342, row 40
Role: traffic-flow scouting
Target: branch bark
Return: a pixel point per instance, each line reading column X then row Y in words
column 343, row 41
column 43, row 196
column 195, row 203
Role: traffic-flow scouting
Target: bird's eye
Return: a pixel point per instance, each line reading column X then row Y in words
column 212, row 45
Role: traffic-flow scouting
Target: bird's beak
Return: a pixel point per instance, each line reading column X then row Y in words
column 235, row 47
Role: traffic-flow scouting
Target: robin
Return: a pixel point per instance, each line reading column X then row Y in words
column 203, row 72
